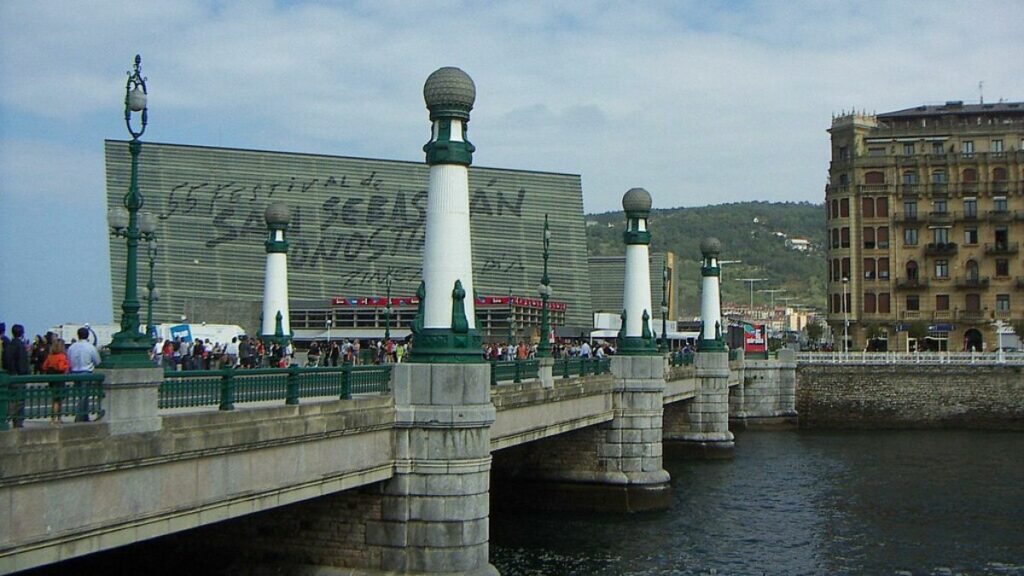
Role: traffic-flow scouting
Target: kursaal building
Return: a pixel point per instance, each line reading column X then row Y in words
column 355, row 224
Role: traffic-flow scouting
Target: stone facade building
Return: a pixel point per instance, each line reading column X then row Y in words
column 925, row 212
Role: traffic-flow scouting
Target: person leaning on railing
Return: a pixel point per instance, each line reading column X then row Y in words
column 56, row 363
column 15, row 363
column 84, row 358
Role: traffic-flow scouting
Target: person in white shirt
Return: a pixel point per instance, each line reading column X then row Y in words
column 83, row 358
column 585, row 350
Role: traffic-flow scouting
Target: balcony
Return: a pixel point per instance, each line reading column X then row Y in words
column 910, row 314
column 909, row 189
column 940, row 249
column 938, row 188
column 970, row 215
column 941, row 217
column 1002, row 248
column 911, row 284
column 1000, row 215
column 906, row 217
column 942, row 315
column 975, row 316
column 972, row 282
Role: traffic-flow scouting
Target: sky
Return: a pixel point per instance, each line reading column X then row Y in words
column 699, row 102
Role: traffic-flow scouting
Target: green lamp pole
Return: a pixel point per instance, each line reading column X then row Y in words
column 387, row 310
column 664, row 306
column 544, row 347
column 151, row 293
column 130, row 347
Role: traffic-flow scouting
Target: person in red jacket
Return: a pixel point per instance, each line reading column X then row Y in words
column 56, row 363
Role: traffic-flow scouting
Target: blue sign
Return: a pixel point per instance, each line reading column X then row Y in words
column 183, row 331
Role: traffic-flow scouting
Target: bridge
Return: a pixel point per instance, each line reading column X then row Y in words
column 374, row 460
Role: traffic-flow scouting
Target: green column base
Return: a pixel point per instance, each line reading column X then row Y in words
column 444, row 346
column 637, row 346
column 129, row 351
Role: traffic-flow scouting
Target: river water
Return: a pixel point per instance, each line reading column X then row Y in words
column 790, row 503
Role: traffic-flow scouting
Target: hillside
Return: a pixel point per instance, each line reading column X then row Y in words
column 749, row 232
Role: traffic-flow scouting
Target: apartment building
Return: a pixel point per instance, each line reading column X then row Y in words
column 925, row 214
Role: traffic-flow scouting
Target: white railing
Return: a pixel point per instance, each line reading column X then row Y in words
column 930, row 358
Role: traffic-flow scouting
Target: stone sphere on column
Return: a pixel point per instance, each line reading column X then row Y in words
column 449, row 92
column 710, row 246
column 277, row 213
column 637, row 201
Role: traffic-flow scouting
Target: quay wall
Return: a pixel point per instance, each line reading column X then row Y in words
column 911, row 396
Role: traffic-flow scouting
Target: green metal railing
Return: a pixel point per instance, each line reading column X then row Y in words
column 226, row 387
column 567, row 367
column 514, row 370
column 43, row 396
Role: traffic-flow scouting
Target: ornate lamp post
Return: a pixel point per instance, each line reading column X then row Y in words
column 664, row 306
column 544, row 346
column 387, row 310
column 152, row 295
column 130, row 347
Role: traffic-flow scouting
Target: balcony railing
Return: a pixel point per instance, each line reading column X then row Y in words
column 972, row 282
column 940, row 248
column 941, row 216
column 906, row 217
column 1002, row 248
column 910, row 314
column 970, row 316
column 910, row 189
column 1000, row 215
column 911, row 284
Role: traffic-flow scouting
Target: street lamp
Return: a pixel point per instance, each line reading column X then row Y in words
column 146, row 222
column 846, row 317
column 329, row 322
column 751, row 282
column 544, row 346
column 664, row 305
column 129, row 346
column 387, row 309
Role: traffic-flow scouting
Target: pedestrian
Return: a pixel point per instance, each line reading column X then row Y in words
column 313, row 354
column 232, row 351
column 56, row 363
column 83, row 358
column 15, row 362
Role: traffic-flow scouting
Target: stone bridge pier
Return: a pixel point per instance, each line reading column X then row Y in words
column 700, row 427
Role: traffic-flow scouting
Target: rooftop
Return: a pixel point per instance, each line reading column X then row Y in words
column 956, row 107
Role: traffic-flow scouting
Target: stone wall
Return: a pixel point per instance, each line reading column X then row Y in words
column 910, row 396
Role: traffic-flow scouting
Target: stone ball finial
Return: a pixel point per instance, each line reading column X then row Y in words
column 637, row 201
column 450, row 92
column 277, row 213
column 711, row 246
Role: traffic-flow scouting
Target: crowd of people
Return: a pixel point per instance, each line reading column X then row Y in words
column 48, row 355
column 506, row 351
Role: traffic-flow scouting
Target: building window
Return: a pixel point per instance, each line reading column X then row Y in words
column 844, row 152
column 870, row 304
column 883, row 268
column 970, row 207
column 942, row 268
column 835, row 237
column 867, row 207
column 937, row 148
column 844, row 208
column 913, row 302
column 1002, row 237
column 971, row 236
column 972, row 302
column 939, row 207
column 869, row 268
column 999, row 204
column 971, row 267
column 883, row 303
column 844, row 237
column 908, row 149
column 869, row 237
column 939, row 177
column 835, row 209
column 837, row 274
column 844, row 179
column 998, row 174
column 997, row 146
column 1002, row 267
column 910, row 236
column 1002, row 302
column 912, row 270
column 874, row 178
column 969, row 175
column 940, row 235
column 835, row 303
column 910, row 208
column 846, row 267
column 967, row 148
column 910, row 177
column 882, row 237
column 942, row 301
column 882, row 207
column 876, row 151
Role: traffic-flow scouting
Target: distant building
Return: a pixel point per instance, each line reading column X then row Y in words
column 798, row 244
column 607, row 274
column 925, row 210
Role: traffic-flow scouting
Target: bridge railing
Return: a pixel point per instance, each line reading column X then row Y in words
column 49, row 396
column 923, row 358
column 226, row 387
column 568, row 367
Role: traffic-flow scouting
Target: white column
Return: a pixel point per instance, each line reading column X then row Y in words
column 710, row 306
column 637, row 293
column 447, row 252
column 275, row 293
